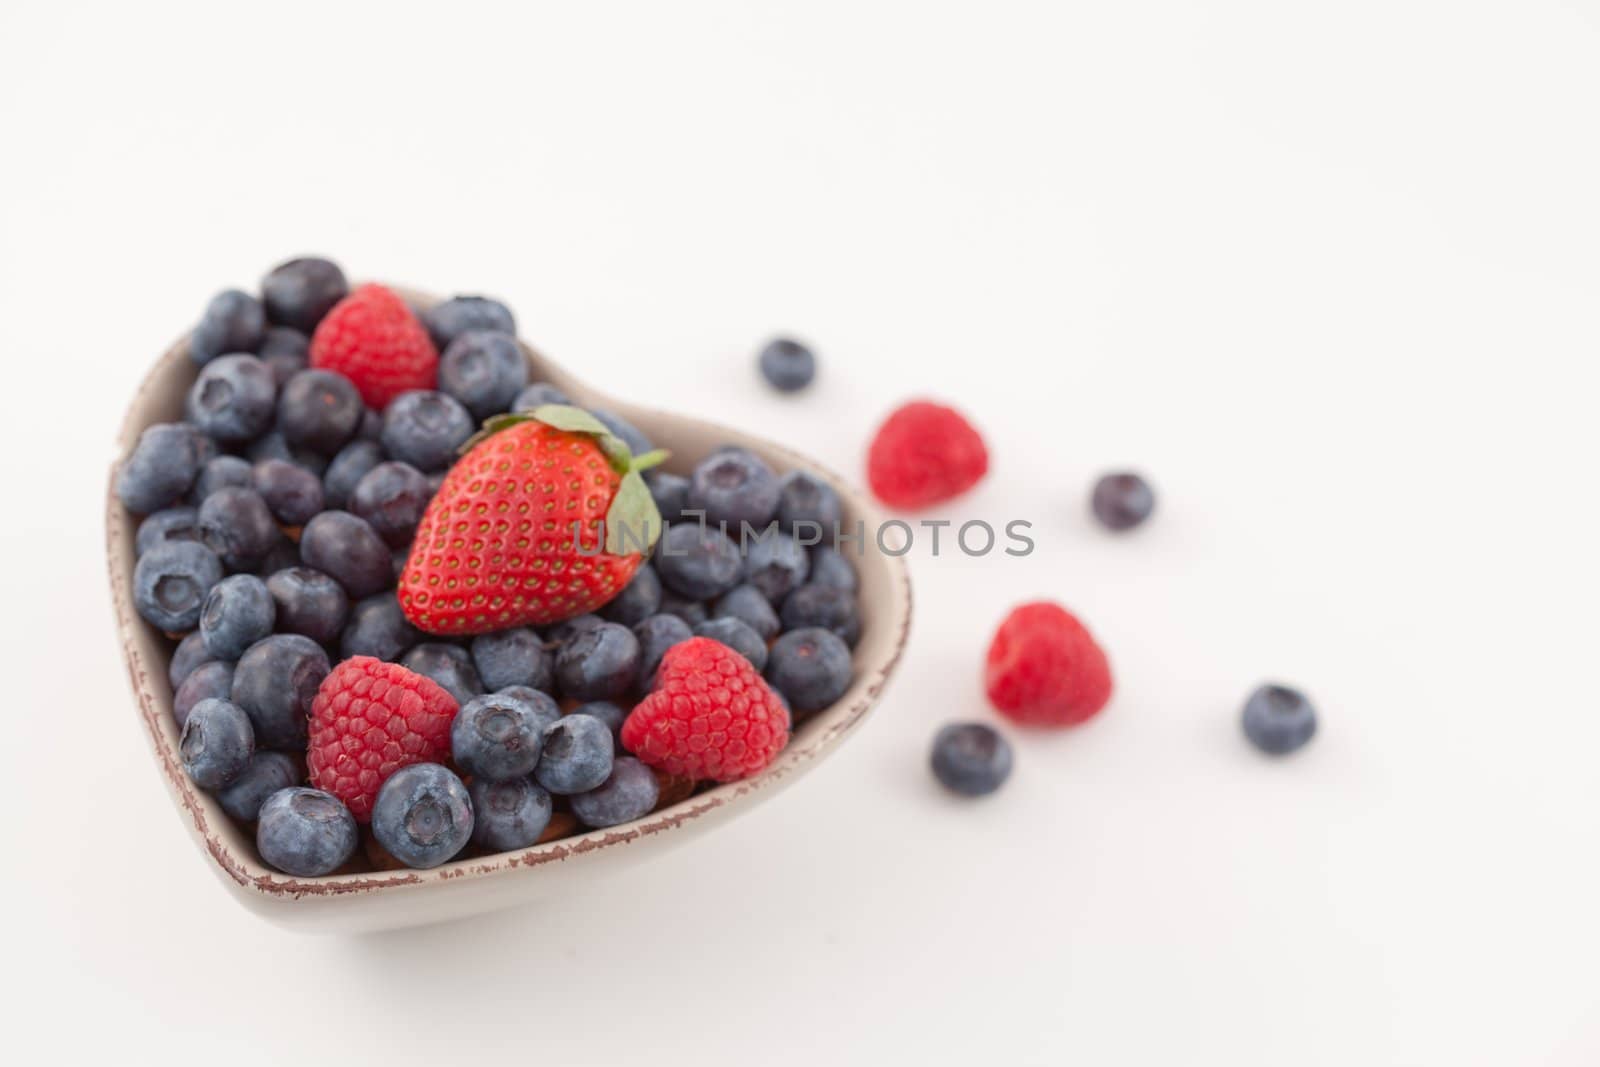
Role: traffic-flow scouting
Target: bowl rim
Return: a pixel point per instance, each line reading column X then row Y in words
column 818, row 736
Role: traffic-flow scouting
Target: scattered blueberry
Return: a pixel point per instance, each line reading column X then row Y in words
column 168, row 524
column 292, row 493
column 347, row 469
column 423, row 815
column 610, row 714
column 750, row 606
column 512, row 657
column 1278, row 720
column 810, row 667
column 449, row 665
column 538, row 395
column 639, row 600
column 216, row 743
column 424, row 428
column 787, row 365
column 274, row 682
column 309, row 602
column 971, row 758
column 670, row 492
column 264, row 775
column 378, row 628
column 1122, row 501
column 212, row 680
column 738, row 636
column 629, row 793
column 170, row 583
column 631, row 435
column 286, row 352
column 232, row 399
column 232, row 322
column 698, row 561
column 223, row 472
column 305, row 832
column 600, row 663
column 298, row 293
column 392, row 497
column 497, row 735
column 734, row 486
column 833, row 568
column 824, row 606
column 339, row 544
column 657, row 634
column 485, row 370
column 159, row 470
column 238, row 526
column 808, row 507
column 776, row 564
column 319, row 410
column 448, row 320
column 576, row 755
column 237, row 613
column 507, row 816
column 190, row 653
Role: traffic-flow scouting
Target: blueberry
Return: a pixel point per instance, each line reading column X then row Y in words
column 538, row 395
column 737, row 636
column 657, row 634
column 275, row 681
column 300, row 292
column 698, row 561
column 392, row 497
column 237, row 613
column 832, row 568
column 280, row 557
column 168, row 524
column 545, row 708
column 497, row 735
column 824, row 606
column 309, row 602
column 512, row 657
column 1278, row 720
column 339, row 544
column 305, row 832
column 224, row 472
column 485, row 370
column 670, row 492
column 237, row 525
column 449, row 665
column 232, row 322
column 378, row 628
column 346, row 471
column 216, row 743
column 286, row 352
column 693, row 612
column 264, row 775
column 971, row 758
column 448, row 320
column 810, row 667
column 319, row 410
column 600, row 663
column 1122, row 501
column 560, row 633
column 423, row 815
column 424, row 428
column 776, row 564
column 638, row 600
column 631, row 435
column 787, row 365
column 232, row 399
column 734, row 486
column 750, row 606
column 170, row 583
column 159, row 470
column 576, row 755
column 292, row 493
column 610, row 714
column 808, row 507
column 273, row 445
column 507, row 816
column 190, row 653
column 629, row 793
column 212, row 680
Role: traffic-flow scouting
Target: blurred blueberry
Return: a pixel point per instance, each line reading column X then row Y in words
column 159, row 470
column 232, row 399
column 232, row 322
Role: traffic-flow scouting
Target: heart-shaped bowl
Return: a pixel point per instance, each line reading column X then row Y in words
column 394, row 898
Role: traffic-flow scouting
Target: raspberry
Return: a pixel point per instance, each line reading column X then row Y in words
column 368, row 720
column 710, row 716
column 372, row 338
column 1044, row 668
column 925, row 454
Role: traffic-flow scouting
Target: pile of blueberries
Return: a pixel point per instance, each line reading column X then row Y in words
column 278, row 514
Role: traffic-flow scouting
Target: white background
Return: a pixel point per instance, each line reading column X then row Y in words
column 1329, row 276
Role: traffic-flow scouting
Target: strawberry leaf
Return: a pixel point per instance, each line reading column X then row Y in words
column 632, row 523
column 566, row 417
column 646, row 460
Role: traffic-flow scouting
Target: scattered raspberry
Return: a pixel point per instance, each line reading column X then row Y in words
column 925, row 454
column 1044, row 668
column 369, row 719
column 710, row 716
column 374, row 339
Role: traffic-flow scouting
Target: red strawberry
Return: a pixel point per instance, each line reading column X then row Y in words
column 514, row 535
column 925, row 454
column 711, row 715
column 373, row 338
column 369, row 719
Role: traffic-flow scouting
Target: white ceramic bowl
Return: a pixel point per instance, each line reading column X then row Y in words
column 385, row 899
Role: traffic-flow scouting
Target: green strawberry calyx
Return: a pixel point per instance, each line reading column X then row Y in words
column 633, row 523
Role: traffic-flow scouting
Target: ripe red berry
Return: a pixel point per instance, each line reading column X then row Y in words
column 1044, row 668
column 925, row 454
column 711, row 715
column 374, row 339
column 369, row 719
